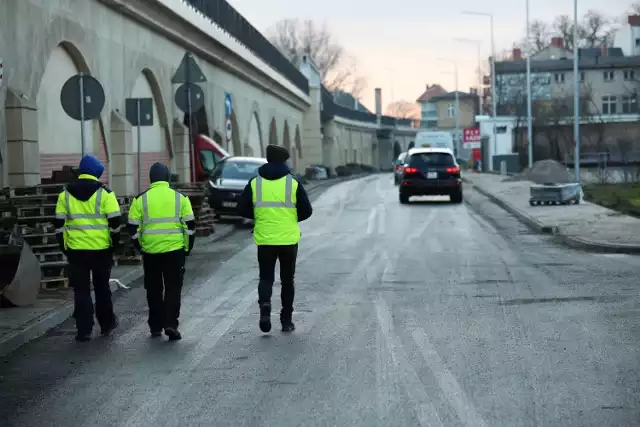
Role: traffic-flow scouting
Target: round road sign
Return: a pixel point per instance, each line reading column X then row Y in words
column 92, row 97
column 197, row 97
column 229, row 129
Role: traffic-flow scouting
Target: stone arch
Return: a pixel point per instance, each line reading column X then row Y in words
column 155, row 144
column 254, row 145
column 273, row 132
column 62, row 145
column 286, row 139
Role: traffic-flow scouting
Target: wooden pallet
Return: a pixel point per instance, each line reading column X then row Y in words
column 54, row 283
column 39, row 190
column 48, row 258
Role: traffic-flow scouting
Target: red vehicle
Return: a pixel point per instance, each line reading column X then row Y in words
column 207, row 154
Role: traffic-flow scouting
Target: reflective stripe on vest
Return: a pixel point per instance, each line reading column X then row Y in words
column 97, row 215
column 288, row 195
column 173, row 220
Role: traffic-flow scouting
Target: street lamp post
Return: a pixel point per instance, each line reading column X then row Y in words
column 457, row 103
column 529, row 100
column 494, row 99
column 478, row 44
column 576, row 94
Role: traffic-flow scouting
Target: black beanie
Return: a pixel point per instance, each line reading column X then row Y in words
column 159, row 172
column 277, row 154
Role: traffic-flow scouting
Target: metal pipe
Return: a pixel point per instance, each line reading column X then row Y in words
column 576, row 93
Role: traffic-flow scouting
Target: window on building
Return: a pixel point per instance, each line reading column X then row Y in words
column 559, row 77
column 582, row 77
column 629, row 75
column 608, row 76
column 637, row 42
column 609, row 105
column 451, row 110
column 629, row 104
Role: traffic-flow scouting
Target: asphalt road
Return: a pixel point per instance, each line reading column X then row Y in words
column 430, row 314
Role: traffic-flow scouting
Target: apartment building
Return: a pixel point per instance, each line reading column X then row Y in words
column 429, row 114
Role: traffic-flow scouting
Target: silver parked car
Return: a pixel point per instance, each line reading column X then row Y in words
column 227, row 182
column 398, row 167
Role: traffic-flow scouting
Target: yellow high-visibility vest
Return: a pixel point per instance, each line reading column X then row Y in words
column 274, row 211
column 86, row 224
column 160, row 214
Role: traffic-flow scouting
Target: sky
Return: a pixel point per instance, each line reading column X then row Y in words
column 401, row 45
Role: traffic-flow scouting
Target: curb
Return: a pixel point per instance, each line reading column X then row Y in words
column 570, row 241
column 41, row 325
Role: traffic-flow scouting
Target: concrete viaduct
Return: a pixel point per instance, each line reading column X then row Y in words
column 133, row 47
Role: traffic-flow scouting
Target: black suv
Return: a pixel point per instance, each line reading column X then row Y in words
column 431, row 172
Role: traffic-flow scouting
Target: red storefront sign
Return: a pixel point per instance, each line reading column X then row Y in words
column 471, row 138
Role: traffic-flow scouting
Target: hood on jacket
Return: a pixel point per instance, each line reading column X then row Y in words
column 89, row 165
column 83, row 188
column 273, row 171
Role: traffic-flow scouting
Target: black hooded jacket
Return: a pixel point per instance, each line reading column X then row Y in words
column 83, row 189
column 273, row 171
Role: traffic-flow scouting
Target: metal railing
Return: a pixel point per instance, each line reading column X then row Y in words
column 232, row 22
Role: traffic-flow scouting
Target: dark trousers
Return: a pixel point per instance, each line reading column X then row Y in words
column 163, row 279
column 83, row 267
column 267, row 257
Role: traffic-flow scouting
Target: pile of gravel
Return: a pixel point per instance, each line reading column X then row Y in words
column 545, row 171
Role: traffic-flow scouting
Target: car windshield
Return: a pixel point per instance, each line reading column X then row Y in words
column 422, row 160
column 240, row 170
column 209, row 159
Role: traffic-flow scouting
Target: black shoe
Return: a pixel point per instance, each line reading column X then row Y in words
column 287, row 324
column 173, row 334
column 265, row 318
column 156, row 334
column 107, row 331
column 83, row 337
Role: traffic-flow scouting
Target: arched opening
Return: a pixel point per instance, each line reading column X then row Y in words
column 411, row 145
column 273, row 133
column 236, row 144
column 59, row 135
column 397, row 149
column 298, row 142
column 254, row 138
column 154, row 143
column 286, row 140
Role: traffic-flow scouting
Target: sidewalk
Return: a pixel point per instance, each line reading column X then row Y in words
column 20, row 325
column 585, row 226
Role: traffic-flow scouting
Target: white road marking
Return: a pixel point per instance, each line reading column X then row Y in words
column 382, row 220
column 426, row 413
column 371, row 222
column 448, row 383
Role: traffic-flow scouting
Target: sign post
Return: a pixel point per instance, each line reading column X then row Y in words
column 82, row 98
column 228, row 108
column 139, row 112
column 189, row 97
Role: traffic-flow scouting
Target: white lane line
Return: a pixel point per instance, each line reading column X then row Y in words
column 382, row 220
column 448, row 383
column 371, row 221
column 425, row 411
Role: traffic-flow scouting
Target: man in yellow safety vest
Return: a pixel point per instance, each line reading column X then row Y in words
column 87, row 229
column 277, row 202
column 162, row 225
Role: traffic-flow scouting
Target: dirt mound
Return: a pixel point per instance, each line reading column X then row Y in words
column 545, row 171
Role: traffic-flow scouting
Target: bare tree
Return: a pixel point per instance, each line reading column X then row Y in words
column 296, row 39
column 539, row 35
column 403, row 110
column 596, row 29
column 634, row 9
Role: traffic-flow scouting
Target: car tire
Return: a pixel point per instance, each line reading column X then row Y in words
column 456, row 197
column 404, row 199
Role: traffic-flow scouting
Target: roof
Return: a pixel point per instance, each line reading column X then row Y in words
column 432, row 90
column 246, row 159
column 585, row 63
column 452, row 96
column 347, row 100
column 419, row 150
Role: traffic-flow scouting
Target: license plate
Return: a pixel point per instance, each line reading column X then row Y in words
column 229, row 204
column 432, row 175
